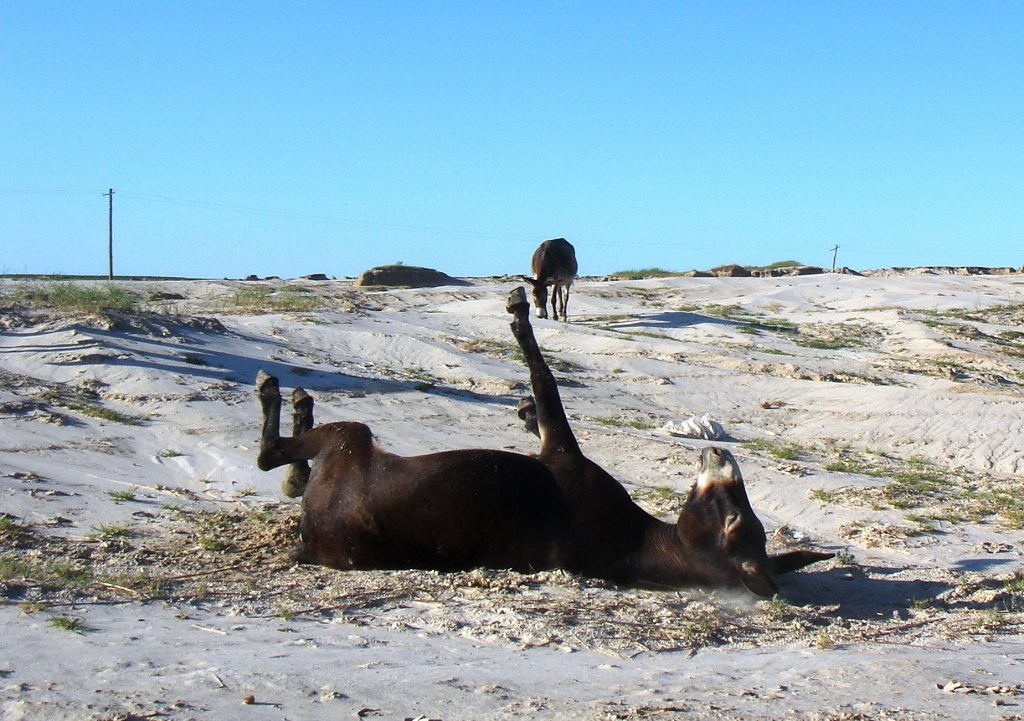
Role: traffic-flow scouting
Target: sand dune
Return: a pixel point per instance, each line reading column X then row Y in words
column 145, row 570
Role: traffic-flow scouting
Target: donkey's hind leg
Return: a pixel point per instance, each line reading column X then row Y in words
column 295, row 482
column 269, row 393
column 555, row 433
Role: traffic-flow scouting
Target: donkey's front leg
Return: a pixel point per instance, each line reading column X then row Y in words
column 555, row 433
column 295, row 482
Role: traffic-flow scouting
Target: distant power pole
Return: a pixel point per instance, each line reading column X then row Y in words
column 834, row 252
column 110, row 233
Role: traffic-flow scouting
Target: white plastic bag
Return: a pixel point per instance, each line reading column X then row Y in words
column 706, row 428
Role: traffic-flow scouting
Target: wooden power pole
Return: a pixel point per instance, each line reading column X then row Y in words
column 834, row 252
column 110, row 233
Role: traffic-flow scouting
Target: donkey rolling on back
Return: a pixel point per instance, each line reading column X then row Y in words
column 554, row 264
column 366, row 508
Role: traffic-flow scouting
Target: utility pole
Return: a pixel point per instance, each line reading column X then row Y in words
column 834, row 252
column 110, row 233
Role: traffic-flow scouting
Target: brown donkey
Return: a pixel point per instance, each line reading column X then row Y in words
column 366, row 508
column 554, row 264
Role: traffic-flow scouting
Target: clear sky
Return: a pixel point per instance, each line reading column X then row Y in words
column 285, row 138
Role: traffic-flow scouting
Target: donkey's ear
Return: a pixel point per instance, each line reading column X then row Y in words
column 793, row 560
column 528, row 279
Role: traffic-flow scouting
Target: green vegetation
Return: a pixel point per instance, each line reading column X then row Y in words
column 844, row 558
column 10, row 528
column 775, row 608
column 935, row 494
column 119, row 496
column 67, row 296
column 58, row 574
column 80, row 402
column 641, row 273
column 619, row 421
column 113, row 530
column 11, row 568
column 268, row 299
column 775, row 265
column 505, row 350
column 212, row 543
column 824, row 343
column 782, row 451
column 659, row 500
column 824, row 497
column 68, row 623
column 169, row 453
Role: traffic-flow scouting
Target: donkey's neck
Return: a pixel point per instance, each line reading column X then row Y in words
column 663, row 561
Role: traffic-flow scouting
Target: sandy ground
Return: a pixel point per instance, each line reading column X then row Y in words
column 144, row 569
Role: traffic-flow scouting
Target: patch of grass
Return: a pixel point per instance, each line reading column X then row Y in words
column 782, row 451
column 81, row 297
column 68, row 623
column 141, row 583
column 852, row 466
column 504, row 350
column 641, row 273
column 169, row 453
column 619, row 421
column 824, row 343
column 212, row 543
column 561, row 365
column 58, row 573
column 844, row 558
column 125, row 495
column 70, row 574
column 934, row 493
column 825, row 497
column 1015, row 584
column 12, row 567
column 270, row 299
column 78, row 401
column 659, row 500
column 113, row 530
column 1012, row 517
column 775, row 608
column 10, row 528
column 195, row 360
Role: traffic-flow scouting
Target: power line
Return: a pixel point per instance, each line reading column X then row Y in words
column 26, row 191
column 291, row 215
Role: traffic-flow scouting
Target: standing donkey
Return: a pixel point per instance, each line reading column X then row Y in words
column 554, row 264
column 364, row 507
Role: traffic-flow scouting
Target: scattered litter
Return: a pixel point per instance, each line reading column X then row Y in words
column 706, row 428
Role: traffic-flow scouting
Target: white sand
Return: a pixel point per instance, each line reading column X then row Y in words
column 430, row 370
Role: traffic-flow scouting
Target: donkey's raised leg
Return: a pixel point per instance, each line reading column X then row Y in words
column 295, row 482
column 556, row 435
column 276, row 451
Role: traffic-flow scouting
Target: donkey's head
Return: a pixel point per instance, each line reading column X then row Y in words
column 540, row 295
column 718, row 525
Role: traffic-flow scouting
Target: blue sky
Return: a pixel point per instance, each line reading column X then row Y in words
column 288, row 138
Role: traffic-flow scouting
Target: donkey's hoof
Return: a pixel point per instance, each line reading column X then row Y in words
column 294, row 485
column 517, row 302
column 299, row 396
column 266, row 383
column 527, row 412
